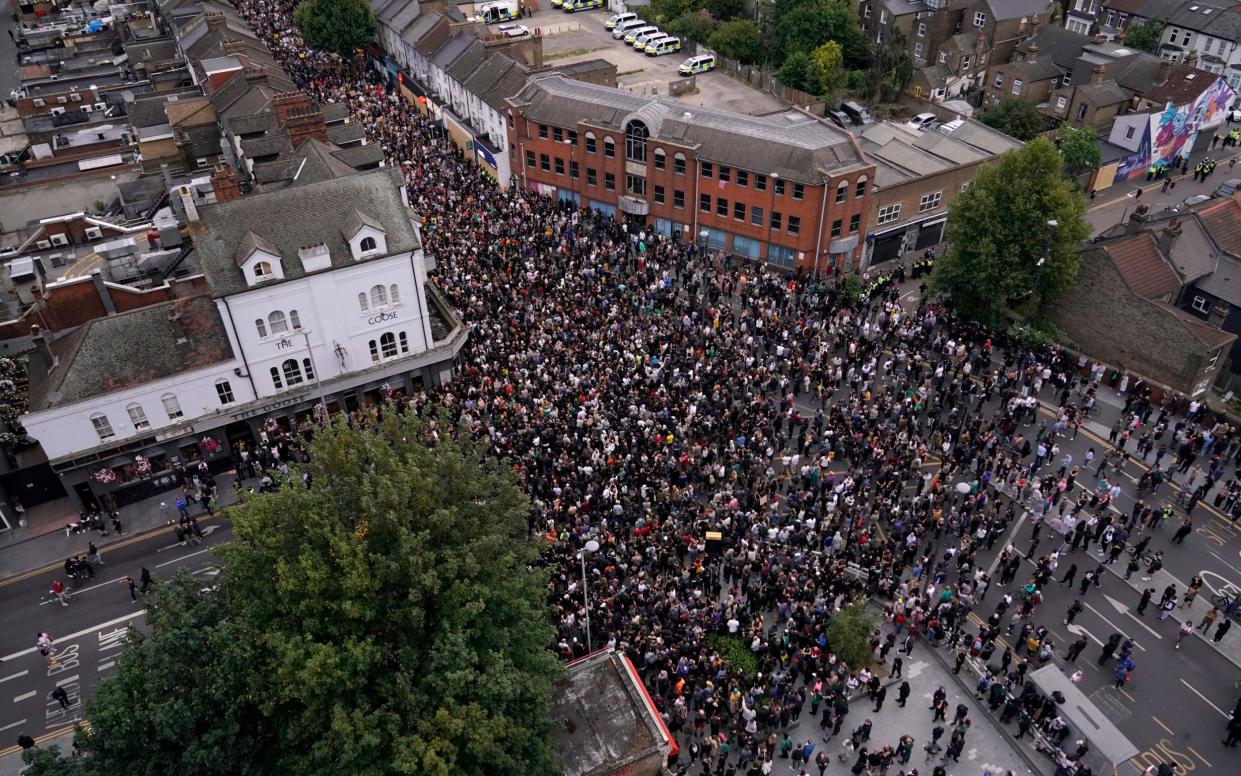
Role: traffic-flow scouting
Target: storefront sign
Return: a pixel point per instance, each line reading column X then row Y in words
column 382, row 318
column 284, row 344
column 287, row 401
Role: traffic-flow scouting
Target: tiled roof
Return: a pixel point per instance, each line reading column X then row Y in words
column 1017, row 9
column 1183, row 86
column 1106, row 93
column 1210, row 336
column 1063, row 46
column 1143, row 267
column 1222, row 219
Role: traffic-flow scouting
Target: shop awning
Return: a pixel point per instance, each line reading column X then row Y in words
column 1084, row 716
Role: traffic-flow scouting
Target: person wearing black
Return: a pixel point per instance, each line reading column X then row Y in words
column 903, row 694
column 1109, row 648
column 1145, row 600
column 1074, row 610
column 61, row 696
column 1075, row 649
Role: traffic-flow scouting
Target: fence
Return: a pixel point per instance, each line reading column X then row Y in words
column 766, row 81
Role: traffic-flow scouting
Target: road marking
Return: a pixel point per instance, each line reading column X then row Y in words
column 1160, row 724
column 1078, row 630
column 75, row 593
column 15, row 676
column 67, row 680
column 24, row 696
column 105, row 666
column 183, row 557
column 72, row 636
column 12, row 725
column 1226, row 563
column 1114, row 625
column 1200, row 757
column 47, row 737
column 1118, row 606
column 1204, row 698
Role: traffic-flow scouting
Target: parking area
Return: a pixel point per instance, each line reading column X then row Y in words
column 575, row 37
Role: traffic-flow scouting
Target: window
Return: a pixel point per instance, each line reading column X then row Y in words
column 102, row 426
column 980, row 19
column 262, row 270
column 574, row 172
column 966, row 61
column 756, row 215
column 636, row 185
column 726, row 174
column 543, row 131
column 387, row 344
column 404, row 342
column 1185, row 39
column 678, row 164
column 799, row 191
column 1061, row 102
column 275, row 378
column 943, row 57
column 661, row 161
column 224, row 391
column 930, row 201
column 1110, row 17
column 721, row 207
column 708, row 170
column 889, row 213
column 704, row 203
column 999, row 80
column 609, row 148
column 794, row 225
column 778, row 187
column 374, row 345
column 743, row 178
column 1081, row 112
column 367, row 245
column 138, row 416
column 295, row 322
column 609, row 181
column 659, row 194
column 859, row 191
column 739, row 211
column 866, row 11
column 678, row 199
column 1129, row 133
column 592, row 177
column 309, row 368
column 292, row 372
column 559, row 163
column 1201, row 304
column 842, row 191
column 636, row 135
column 855, row 221
column 545, row 163
column 172, row 407
column 837, row 225
column 572, row 136
column 590, row 142
column 921, row 29
column 883, row 16
column 760, row 182
column 1016, row 86
column 362, row 304
column 394, row 294
column 530, row 161
column 557, row 134
column 379, row 296
column 777, row 220
column 261, row 327
column 276, row 323
column 918, row 49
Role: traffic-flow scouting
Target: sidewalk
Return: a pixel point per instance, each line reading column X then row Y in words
column 11, row 764
column 39, row 551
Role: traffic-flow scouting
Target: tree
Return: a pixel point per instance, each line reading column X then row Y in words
column 804, row 25
column 891, row 68
column 1079, row 149
column 1016, row 117
column 726, row 10
column 798, row 72
column 740, row 40
column 848, row 634
column 663, row 11
column 386, row 620
column 1144, row 35
column 998, row 231
column 335, row 25
column 697, row 25
column 829, row 65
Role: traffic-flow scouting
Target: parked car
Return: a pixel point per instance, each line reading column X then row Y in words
column 856, row 113
column 619, row 18
column 513, row 30
column 838, row 118
column 665, row 45
column 1197, row 199
column 1227, row 188
column 697, row 64
column 922, row 121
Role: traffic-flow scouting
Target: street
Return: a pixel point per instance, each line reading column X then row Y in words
column 89, row 633
column 1112, row 206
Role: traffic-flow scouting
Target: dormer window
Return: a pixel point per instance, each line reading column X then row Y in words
column 258, row 260
column 367, row 245
column 366, row 235
column 262, row 270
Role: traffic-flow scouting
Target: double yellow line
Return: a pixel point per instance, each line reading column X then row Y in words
column 45, row 737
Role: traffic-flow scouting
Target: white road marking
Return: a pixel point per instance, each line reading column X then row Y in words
column 1120, row 607
column 12, row 725
column 72, row 636
column 105, row 666
column 1204, row 698
column 24, row 696
column 1114, row 625
column 14, row 676
column 183, row 557
column 75, row 593
column 67, row 680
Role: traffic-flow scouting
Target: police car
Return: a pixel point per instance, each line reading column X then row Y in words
column 699, row 64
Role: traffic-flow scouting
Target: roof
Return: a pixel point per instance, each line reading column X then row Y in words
column 452, row 48
column 1185, row 82
column 902, row 154
column 1222, row 219
column 313, row 161
column 1140, row 72
column 1198, row 14
column 1083, row 715
column 342, row 134
column 1017, row 9
column 1140, row 263
column 791, row 144
column 1106, row 93
column 1211, row 336
column 1040, row 69
column 247, row 94
column 470, row 60
column 127, row 350
column 294, row 217
column 334, row 112
column 507, row 85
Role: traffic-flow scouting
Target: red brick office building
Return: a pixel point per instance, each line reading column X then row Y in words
column 787, row 188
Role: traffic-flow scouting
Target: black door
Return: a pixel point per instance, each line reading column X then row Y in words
column 887, row 247
column 33, row 485
column 930, row 235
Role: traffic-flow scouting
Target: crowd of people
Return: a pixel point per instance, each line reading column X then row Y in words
column 839, row 447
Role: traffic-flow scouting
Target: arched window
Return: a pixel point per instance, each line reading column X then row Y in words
column 590, row 143
column 860, row 191
column 295, row 323
column 276, row 322
column 292, row 372
column 387, row 345
column 394, row 294
column 362, row 302
column 636, row 135
column 260, row 327
column 275, row 378
column 171, row 406
column 379, row 296
column 374, row 351
column 367, row 245
column 309, row 368
column 262, row 270
column 138, row 416
column 660, row 159
column 842, row 191
column 404, row 342
column 609, row 147
column 678, row 163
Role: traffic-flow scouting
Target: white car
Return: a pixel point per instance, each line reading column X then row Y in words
column 922, row 121
column 513, row 30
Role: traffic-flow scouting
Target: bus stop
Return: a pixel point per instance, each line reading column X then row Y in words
column 1084, row 717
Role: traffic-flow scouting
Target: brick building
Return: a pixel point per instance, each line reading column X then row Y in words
column 787, row 188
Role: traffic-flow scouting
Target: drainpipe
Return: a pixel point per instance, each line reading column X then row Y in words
column 242, row 350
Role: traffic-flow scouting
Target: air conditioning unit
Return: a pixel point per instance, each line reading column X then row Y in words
column 43, row 245
column 38, row 102
column 62, row 99
column 57, row 111
column 75, row 97
column 86, row 108
column 59, row 239
column 101, row 106
column 94, row 233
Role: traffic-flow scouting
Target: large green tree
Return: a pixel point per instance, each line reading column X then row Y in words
column 384, row 620
column 1079, row 149
column 1016, row 117
column 829, row 65
column 740, row 40
column 1144, row 35
column 799, row 72
column 891, row 68
column 998, row 231
column 335, row 25
column 804, row 25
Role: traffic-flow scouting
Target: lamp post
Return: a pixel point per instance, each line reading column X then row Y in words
column 1038, row 267
column 589, row 548
column 771, row 209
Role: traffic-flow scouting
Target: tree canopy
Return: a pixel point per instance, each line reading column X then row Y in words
column 335, row 25
column 1079, row 149
column 1144, row 35
column 998, row 231
column 804, row 25
column 891, row 67
column 386, row 620
column 740, row 40
column 1016, row 117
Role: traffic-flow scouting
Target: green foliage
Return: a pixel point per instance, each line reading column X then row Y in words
column 848, row 634
column 998, row 232
column 1017, row 118
column 738, row 40
column 736, row 653
column 804, row 25
column 829, row 65
column 1037, row 333
column 48, row 762
column 695, row 25
column 1144, row 35
column 799, row 72
column 726, row 10
column 335, row 25
column 1079, row 149
column 891, row 68
column 852, row 288
column 385, row 621
column 664, row 11
column 856, row 81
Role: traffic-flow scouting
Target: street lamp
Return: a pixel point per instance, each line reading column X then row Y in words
column 1038, row 267
column 590, row 548
column 771, row 209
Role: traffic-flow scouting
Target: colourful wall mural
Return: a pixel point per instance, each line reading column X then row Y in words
column 1171, row 133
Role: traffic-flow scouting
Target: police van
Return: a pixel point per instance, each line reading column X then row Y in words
column 633, row 34
column 624, row 28
column 664, row 45
column 619, row 18
column 640, row 41
column 573, row 6
column 699, row 64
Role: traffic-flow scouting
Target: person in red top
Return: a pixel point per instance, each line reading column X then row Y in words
column 58, row 590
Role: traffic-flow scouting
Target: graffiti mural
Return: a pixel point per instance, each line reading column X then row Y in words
column 1172, row 132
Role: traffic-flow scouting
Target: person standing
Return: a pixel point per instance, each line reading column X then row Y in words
column 1234, row 732
column 133, row 588
column 147, row 580
column 1167, row 608
column 61, row 696
column 1209, row 619
column 1222, row 630
column 1186, row 628
column 902, row 694
column 58, row 590
column 1074, row 609
column 1075, row 649
column 1145, row 600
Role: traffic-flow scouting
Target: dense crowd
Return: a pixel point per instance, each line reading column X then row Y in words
column 840, row 447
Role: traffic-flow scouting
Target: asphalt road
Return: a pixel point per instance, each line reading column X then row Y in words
column 89, row 633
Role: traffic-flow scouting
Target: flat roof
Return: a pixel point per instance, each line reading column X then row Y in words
column 1082, row 714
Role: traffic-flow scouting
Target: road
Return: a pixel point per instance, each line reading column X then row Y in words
column 89, row 632
column 1104, row 213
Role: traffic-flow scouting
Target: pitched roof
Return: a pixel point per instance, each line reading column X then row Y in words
column 1017, row 9
column 1143, row 267
column 1185, row 82
column 294, row 217
column 250, row 243
column 1106, row 93
column 1210, row 336
column 1222, row 219
column 357, row 219
column 312, row 161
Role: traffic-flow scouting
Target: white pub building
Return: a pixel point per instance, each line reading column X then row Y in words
column 318, row 293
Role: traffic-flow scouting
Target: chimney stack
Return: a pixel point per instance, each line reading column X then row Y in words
column 178, row 327
column 1097, row 74
column 1164, row 72
column 224, row 183
column 187, row 201
column 1138, row 219
column 45, row 347
column 1167, row 237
